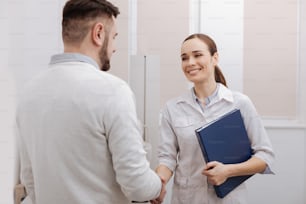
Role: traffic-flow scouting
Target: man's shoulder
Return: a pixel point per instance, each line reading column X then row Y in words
column 92, row 78
column 113, row 79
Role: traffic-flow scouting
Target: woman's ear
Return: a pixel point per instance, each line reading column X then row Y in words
column 215, row 58
column 98, row 34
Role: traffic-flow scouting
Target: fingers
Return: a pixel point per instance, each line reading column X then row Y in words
column 154, row 202
column 215, row 172
column 207, row 169
column 164, row 181
column 211, row 165
column 162, row 194
column 216, row 181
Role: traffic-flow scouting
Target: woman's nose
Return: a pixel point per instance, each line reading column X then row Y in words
column 191, row 61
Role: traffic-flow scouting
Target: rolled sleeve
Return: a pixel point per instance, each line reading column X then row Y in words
column 260, row 142
column 261, row 145
column 168, row 147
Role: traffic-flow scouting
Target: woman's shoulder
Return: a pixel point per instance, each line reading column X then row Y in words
column 243, row 102
column 233, row 95
column 239, row 96
column 186, row 96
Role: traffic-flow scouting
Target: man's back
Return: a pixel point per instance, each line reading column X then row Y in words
column 79, row 133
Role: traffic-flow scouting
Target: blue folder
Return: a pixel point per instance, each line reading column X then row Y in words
column 226, row 140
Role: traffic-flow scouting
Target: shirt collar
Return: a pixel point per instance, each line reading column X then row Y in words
column 73, row 57
column 225, row 93
column 207, row 99
column 221, row 92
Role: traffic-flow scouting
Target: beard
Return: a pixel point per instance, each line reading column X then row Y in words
column 104, row 59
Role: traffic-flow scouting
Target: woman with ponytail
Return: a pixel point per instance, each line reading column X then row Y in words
column 179, row 152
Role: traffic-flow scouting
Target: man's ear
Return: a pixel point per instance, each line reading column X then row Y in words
column 98, row 34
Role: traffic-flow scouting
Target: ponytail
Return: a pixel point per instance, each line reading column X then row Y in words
column 219, row 77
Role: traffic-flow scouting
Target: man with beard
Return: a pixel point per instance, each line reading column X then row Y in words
column 78, row 135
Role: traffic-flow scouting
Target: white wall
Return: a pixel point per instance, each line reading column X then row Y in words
column 288, row 183
column 302, row 79
column 25, row 44
column 271, row 56
column 223, row 21
column 6, row 109
column 162, row 26
column 144, row 79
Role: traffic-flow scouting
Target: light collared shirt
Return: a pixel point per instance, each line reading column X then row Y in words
column 78, row 141
column 207, row 99
column 179, row 148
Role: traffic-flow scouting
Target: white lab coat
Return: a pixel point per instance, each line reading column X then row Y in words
column 179, row 149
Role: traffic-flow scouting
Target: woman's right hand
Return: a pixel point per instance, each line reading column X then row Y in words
column 162, row 194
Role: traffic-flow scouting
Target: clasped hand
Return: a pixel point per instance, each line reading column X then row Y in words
column 162, row 194
column 216, row 173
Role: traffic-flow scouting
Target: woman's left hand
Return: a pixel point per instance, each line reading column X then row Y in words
column 216, row 172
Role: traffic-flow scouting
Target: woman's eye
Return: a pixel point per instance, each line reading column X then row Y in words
column 184, row 58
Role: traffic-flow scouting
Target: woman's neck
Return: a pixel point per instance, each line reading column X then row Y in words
column 204, row 90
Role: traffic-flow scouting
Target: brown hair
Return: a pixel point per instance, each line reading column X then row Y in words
column 77, row 15
column 219, row 77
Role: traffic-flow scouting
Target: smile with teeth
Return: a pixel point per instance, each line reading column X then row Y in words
column 194, row 71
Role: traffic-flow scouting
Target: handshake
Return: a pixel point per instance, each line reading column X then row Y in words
column 165, row 174
column 162, row 194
